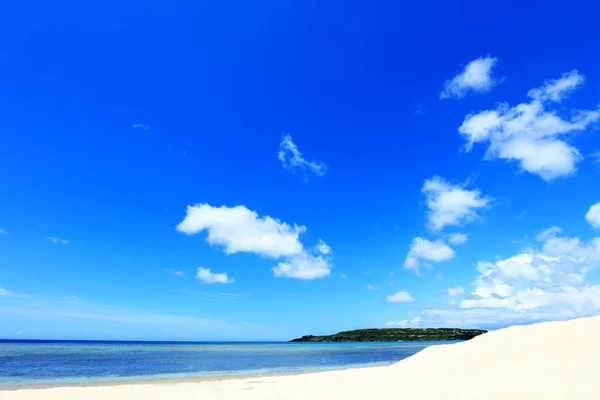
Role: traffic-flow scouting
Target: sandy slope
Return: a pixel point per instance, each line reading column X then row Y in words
column 555, row 360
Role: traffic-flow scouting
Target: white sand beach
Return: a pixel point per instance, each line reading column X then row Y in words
column 553, row 360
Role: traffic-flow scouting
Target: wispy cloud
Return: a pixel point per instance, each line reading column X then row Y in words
column 57, row 240
column 456, row 239
column 372, row 287
column 174, row 272
column 143, row 127
column 476, row 77
column 292, row 159
column 8, row 293
column 3, row 232
column 405, row 323
column 217, row 295
column 89, row 316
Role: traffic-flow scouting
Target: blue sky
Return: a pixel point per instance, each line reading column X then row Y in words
column 262, row 170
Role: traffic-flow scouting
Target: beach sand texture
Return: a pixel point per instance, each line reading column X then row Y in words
column 552, row 360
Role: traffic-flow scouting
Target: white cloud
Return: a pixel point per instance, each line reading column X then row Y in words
column 323, row 247
column 292, row 159
column 3, row 232
column 371, row 287
column 593, row 215
column 405, row 323
column 204, row 275
column 19, row 333
column 596, row 157
column 456, row 291
column 143, row 127
column 458, row 238
column 400, row 297
column 57, row 240
column 343, row 275
column 436, row 251
column 533, row 134
column 451, row 204
column 174, row 272
column 476, row 77
column 8, row 293
column 239, row 229
column 535, row 285
column 303, row 266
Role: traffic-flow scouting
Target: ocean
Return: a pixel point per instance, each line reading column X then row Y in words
column 53, row 363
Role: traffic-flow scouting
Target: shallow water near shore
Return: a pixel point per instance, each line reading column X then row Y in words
column 43, row 363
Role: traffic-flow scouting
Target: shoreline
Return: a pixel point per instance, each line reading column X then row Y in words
column 147, row 380
column 551, row 360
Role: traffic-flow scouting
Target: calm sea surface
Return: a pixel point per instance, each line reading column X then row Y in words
column 32, row 363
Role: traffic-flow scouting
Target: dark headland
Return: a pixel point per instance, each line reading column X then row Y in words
column 394, row 335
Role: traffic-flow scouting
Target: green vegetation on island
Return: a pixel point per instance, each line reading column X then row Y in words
column 395, row 335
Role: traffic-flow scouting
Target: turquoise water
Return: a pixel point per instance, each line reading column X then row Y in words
column 28, row 363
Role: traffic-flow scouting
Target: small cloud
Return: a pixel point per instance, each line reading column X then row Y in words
column 595, row 156
column 19, row 333
column 57, row 240
column 108, row 246
column 174, row 272
column 458, row 238
column 143, row 127
column 451, row 204
column 292, row 159
column 68, row 297
column 3, row 232
column 476, row 77
column 371, row 287
column 343, row 275
column 455, row 292
column 323, row 247
column 400, row 297
column 205, row 276
column 593, row 215
column 423, row 249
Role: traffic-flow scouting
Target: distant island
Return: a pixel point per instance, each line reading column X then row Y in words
column 395, row 335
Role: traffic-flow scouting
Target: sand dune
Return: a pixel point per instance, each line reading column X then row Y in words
column 554, row 360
